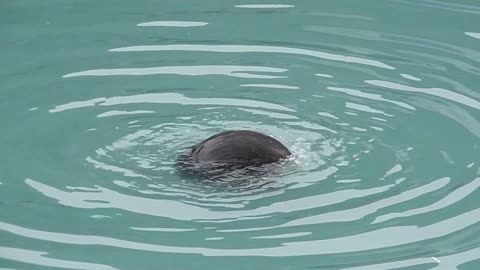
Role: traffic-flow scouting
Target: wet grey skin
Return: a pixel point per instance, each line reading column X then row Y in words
column 232, row 150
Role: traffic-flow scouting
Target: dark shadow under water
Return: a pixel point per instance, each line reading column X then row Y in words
column 228, row 174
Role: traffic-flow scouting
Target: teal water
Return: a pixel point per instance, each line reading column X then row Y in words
column 378, row 101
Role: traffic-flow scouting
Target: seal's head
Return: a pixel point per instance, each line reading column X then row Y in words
column 232, row 150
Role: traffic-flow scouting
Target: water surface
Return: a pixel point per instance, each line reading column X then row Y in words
column 378, row 101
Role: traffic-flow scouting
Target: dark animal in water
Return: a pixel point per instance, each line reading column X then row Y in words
column 232, row 150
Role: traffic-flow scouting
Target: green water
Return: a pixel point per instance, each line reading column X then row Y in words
column 377, row 100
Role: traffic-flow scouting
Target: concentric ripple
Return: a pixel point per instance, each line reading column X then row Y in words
column 383, row 124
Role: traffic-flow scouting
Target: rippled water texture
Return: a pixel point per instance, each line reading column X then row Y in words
column 378, row 101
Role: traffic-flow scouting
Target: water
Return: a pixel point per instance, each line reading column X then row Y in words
column 378, row 101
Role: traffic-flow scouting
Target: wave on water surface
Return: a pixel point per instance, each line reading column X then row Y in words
column 384, row 134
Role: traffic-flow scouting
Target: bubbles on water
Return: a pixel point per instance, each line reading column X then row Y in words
column 147, row 155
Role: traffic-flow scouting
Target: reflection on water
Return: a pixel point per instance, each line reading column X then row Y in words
column 381, row 114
